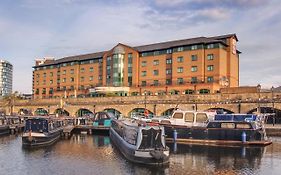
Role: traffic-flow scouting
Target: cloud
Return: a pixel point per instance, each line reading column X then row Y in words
column 38, row 28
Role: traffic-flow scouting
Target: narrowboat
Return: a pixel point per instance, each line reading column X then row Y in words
column 4, row 127
column 102, row 120
column 41, row 131
column 140, row 142
column 194, row 127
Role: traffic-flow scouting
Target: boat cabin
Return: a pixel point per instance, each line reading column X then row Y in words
column 189, row 118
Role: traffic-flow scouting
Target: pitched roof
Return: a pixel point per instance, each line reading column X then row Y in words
column 149, row 47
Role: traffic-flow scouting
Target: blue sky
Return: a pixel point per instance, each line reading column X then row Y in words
column 31, row 29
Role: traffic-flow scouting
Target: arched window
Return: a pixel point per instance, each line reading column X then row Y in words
column 204, row 91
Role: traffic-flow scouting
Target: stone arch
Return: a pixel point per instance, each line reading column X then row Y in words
column 83, row 111
column 61, row 112
column 138, row 111
column 270, row 119
column 220, row 110
column 113, row 111
column 41, row 112
column 24, row 111
column 168, row 112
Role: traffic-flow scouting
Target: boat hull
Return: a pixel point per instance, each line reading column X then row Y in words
column 137, row 156
column 40, row 139
column 211, row 136
column 4, row 130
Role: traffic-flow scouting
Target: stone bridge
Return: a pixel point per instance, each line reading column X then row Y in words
column 158, row 105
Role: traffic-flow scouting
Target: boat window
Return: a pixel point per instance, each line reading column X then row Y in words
column 189, row 117
column 243, row 126
column 201, row 117
column 178, row 116
column 227, row 125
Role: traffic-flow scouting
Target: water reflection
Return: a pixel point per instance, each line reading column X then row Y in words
column 205, row 159
column 94, row 154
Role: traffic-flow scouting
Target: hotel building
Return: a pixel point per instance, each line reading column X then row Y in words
column 188, row 66
column 6, row 78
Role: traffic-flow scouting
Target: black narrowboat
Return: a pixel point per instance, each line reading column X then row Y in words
column 140, row 143
column 4, row 127
column 215, row 129
column 41, row 131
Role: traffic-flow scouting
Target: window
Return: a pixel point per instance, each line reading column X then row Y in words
column 82, row 70
column 180, row 59
column 180, row 69
column 168, row 71
column 155, row 62
column 169, row 51
column 82, row 79
column 155, row 82
column 44, row 82
column 64, row 72
column 64, row 80
column 180, row 49
column 155, row 72
column 201, row 117
column 108, row 59
column 91, row 78
column 156, row 52
column 194, row 69
column 71, row 71
column 169, row 61
column 189, row 117
column 193, row 57
column 194, row 47
column 227, row 125
column 193, row 79
column 130, row 55
column 143, row 73
column 37, row 82
column 143, row 83
column 210, row 79
column 72, row 63
column 72, row 79
column 180, row 80
column 168, row 81
column 143, row 63
column 51, row 74
column 37, row 75
column 51, row 81
column 210, row 46
column 178, row 116
column 44, row 74
column 91, row 69
column 210, row 67
column 210, row 56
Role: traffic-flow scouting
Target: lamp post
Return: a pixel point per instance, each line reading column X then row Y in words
column 144, row 99
column 259, row 93
column 272, row 100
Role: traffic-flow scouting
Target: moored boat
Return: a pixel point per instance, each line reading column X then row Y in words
column 215, row 129
column 4, row 127
column 41, row 131
column 140, row 143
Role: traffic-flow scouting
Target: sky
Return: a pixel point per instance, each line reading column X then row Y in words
column 32, row 29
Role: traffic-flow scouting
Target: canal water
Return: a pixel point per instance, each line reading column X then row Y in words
column 94, row 154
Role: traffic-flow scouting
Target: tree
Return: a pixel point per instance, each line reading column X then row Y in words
column 9, row 101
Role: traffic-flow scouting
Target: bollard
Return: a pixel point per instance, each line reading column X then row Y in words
column 244, row 137
column 175, row 135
